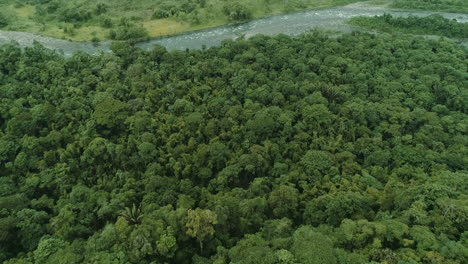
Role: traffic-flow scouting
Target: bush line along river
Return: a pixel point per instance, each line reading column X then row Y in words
column 289, row 24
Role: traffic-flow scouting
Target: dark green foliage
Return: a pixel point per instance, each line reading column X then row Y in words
column 132, row 215
column 351, row 149
column 236, row 11
column 430, row 25
column 127, row 30
column 312, row 247
column 3, row 20
column 101, row 8
column 106, row 22
column 456, row 6
column 161, row 13
column 74, row 15
column 46, row 248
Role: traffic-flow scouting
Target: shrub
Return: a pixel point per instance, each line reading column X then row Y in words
column 128, row 31
column 158, row 14
column 236, row 12
column 3, row 21
column 106, row 22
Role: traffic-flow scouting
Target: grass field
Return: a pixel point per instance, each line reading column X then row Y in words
column 84, row 20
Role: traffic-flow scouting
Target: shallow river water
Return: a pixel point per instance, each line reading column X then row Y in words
column 289, row 24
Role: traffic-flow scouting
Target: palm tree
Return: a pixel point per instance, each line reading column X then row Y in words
column 132, row 215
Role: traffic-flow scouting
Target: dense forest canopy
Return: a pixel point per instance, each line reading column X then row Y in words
column 351, row 149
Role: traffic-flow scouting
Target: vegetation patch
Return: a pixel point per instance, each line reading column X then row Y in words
column 4, row 21
column 143, row 18
column 430, row 25
column 168, row 26
column 314, row 149
column 25, row 11
column 127, row 30
column 455, row 6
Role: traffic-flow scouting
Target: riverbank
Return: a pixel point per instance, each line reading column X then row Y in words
column 82, row 20
column 431, row 25
column 290, row 24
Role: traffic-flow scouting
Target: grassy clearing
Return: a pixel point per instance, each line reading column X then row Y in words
column 25, row 12
column 167, row 26
column 84, row 20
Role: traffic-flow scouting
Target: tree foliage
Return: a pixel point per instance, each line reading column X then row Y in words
column 456, row 6
column 312, row 149
column 430, row 25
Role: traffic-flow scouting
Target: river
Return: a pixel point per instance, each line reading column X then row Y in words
column 289, row 24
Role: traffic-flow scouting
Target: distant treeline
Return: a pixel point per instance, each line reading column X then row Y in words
column 430, row 25
column 456, row 6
